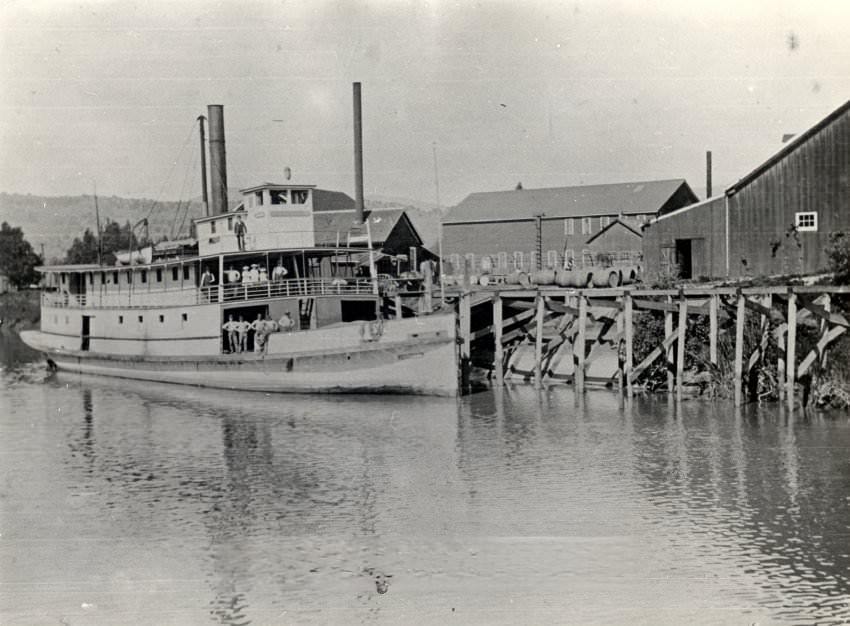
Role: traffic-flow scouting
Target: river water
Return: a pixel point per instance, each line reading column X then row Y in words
column 127, row 503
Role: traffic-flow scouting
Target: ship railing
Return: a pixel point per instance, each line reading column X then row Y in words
column 291, row 288
column 129, row 298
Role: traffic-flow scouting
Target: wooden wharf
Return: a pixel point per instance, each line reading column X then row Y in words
column 572, row 323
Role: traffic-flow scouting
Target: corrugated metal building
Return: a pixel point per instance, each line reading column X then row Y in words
column 775, row 220
column 501, row 225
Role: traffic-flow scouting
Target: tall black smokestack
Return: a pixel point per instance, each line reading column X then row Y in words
column 708, row 173
column 358, row 156
column 218, row 162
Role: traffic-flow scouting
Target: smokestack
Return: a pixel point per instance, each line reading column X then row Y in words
column 218, row 162
column 708, row 173
column 204, row 198
column 358, row 156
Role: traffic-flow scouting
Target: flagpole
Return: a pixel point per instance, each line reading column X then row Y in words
column 440, row 223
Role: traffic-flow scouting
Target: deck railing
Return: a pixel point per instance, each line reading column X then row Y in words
column 296, row 287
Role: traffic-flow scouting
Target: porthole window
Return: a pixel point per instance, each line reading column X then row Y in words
column 141, row 319
column 120, row 319
column 185, row 317
column 161, row 319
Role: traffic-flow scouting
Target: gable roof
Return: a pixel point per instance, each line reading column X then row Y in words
column 382, row 223
column 634, row 231
column 788, row 148
column 559, row 202
column 325, row 200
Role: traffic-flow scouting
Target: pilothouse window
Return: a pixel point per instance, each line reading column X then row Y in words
column 299, row 196
column 278, row 196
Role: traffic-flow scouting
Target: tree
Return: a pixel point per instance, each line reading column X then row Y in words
column 115, row 238
column 838, row 252
column 17, row 258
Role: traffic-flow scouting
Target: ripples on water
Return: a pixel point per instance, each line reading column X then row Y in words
column 127, row 503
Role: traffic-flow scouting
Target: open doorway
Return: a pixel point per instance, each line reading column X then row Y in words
column 248, row 314
column 684, row 258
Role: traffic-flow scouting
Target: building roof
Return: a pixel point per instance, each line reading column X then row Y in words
column 560, row 202
column 788, row 148
column 328, row 224
column 325, row 200
column 612, row 225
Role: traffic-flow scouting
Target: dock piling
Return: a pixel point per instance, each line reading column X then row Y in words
column 580, row 343
column 791, row 350
column 627, row 305
column 668, row 330
column 739, row 347
column 680, row 348
column 499, row 354
column 538, row 342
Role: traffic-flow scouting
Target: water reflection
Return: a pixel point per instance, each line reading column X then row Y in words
column 518, row 505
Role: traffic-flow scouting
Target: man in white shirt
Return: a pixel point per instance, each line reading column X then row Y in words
column 232, row 328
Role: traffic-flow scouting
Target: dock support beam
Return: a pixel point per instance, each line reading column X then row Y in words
column 712, row 334
column 739, row 347
column 791, row 350
column 579, row 347
column 668, row 330
column 680, row 348
column 538, row 343
column 499, row 353
column 465, row 314
column 627, row 306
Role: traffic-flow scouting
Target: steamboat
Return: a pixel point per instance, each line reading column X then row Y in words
column 261, row 299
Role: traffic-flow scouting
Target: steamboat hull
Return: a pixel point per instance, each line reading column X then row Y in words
column 421, row 367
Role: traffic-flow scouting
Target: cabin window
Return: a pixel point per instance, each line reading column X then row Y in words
column 229, row 223
column 120, row 319
column 175, row 274
column 586, row 227
column 103, row 278
column 129, row 277
column 212, row 227
column 185, row 272
column 278, row 196
column 63, row 279
column 141, row 319
column 807, row 222
column 185, row 317
column 159, row 275
column 299, row 196
column 258, row 198
column 569, row 226
column 552, row 258
column 115, row 278
column 144, row 276
column 161, row 319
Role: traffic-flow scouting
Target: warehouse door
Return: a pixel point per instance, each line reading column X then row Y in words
column 683, row 258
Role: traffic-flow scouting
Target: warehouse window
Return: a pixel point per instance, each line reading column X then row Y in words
column 503, row 261
column 569, row 259
column 552, row 259
column 569, row 226
column 586, row 228
column 470, row 259
column 518, row 260
column 604, row 222
column 806, row 221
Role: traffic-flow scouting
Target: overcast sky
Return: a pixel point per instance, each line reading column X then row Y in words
column 547, row 93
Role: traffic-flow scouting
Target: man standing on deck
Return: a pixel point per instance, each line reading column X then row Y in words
column 259, row 328
column 279, row 272
column 207, row 279
column 286, row 323
column 242, row 329
column 239, row 229
column 232, row 329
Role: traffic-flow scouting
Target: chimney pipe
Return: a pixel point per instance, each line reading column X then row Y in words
column 358, row 156
column 218, row 163
column 708, row 173
column 204, row 198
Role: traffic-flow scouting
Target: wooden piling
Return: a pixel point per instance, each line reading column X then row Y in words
column 398, row 312
column 680, row 348
column 668, row 354
column 428, row 283
column 579, row 346
column 627, row 308
column 739, row 347
column 620, row 338
column 824, row 326
column 499, row 354
column 538, row 342
column 791, row 350
column 712, row 324
column 465, row 315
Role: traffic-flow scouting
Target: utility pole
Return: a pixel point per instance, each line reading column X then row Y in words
column 440, row 222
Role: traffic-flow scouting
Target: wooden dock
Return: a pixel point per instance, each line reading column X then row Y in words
column 568, row 329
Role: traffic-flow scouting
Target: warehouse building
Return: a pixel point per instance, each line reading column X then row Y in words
column 775, row 220
column 576, row 224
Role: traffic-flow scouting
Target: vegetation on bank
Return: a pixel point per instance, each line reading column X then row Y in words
column 827, row 383
column 17, row 258
column 20, row 310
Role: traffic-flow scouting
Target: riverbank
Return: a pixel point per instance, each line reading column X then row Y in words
column 19, row 310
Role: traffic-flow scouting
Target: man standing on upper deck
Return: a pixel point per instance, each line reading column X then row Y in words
column 279, row 272
column 207, row 279
column 239, row 229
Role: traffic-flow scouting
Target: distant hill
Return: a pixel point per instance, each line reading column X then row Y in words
column 55, row 221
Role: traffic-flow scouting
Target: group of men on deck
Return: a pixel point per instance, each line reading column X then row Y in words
column 262, row 327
